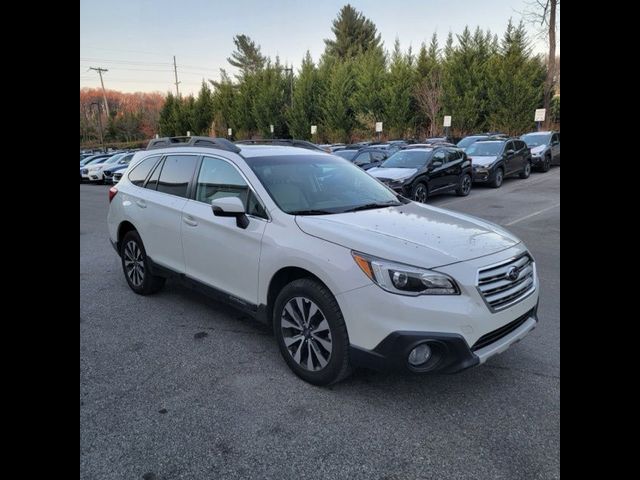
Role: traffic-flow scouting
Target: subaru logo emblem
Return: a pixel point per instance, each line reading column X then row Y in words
column 512, row 274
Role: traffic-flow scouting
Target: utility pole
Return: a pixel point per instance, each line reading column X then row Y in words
column 104, row 94
column 175, row 71
column 100, row 123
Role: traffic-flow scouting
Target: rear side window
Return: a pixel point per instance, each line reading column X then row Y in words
column 176, row 174
column 377, row 156
column 362, row 159
column 138, row 174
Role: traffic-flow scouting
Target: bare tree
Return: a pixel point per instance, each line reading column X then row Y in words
column 542, row 14
column 428, row 95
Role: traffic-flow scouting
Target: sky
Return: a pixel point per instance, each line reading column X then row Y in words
column 137, row 39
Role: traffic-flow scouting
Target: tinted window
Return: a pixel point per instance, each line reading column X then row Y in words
column 555, row 138
column 438, row 158
column 377, row 156
column 347, row 154
column 407, row 159
column 141, row 170
column 536, row 139
column 176, row 174
column 362, row 159
column 453, row 155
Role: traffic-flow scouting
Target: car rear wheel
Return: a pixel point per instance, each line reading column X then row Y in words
column 135, row 265
column 464, row 187
column 311, row 333
column 420, row 192
column 526, row 171
column 498, row 177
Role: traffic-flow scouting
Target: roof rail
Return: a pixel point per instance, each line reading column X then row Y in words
column 208, row 142
column 282, row 141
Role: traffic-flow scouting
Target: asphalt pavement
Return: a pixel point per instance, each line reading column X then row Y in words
column 178, row 386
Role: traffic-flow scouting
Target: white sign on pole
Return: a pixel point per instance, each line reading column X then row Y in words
column 271, row 128
column 447, row 121
column 378, row 127
column 229, row 132
column 314, row 129
column 540, row 114
column 188, row 133
column 157, row 136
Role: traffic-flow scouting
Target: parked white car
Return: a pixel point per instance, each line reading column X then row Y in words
column 346, row 271
column 94, row 172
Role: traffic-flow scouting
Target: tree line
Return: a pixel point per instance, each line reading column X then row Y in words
column 484, row 82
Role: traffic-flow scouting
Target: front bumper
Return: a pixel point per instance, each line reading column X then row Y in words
column 450, row 352
column 537, row 161
column 483, row 175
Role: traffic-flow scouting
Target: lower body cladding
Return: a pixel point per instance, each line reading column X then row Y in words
column 483, row 175
column 439, row 333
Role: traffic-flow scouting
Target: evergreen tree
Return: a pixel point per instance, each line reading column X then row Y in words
column 269, row 100
column 354, row 34
column 371, row 77
column 203, row 111
column 398, row 94
column 167, row 122
column 516, row 83
column 306, row 100
column 223, row 103
column 246, row 56
column 338, row 112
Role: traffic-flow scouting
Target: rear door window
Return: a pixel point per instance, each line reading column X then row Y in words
column 139, row 173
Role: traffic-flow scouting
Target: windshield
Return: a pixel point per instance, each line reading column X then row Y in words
column 347, row 154
column 536, row 139
column 115, row 158
column 465, row 142
column 87, row 160
column 407, row 159
column 319, row 184
column 484, row 149
column 97, row 160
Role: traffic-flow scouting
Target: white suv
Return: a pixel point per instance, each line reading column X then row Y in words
column 346, row 271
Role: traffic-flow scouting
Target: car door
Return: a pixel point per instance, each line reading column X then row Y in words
column 555, row 148
column 520, row 153
column 436, row 171
column 511, row 164
column 217, row 251
column 165, row 196
column 453, row 167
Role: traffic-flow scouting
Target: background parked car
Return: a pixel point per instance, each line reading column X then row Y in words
column 121, row 164
column 493, row 160
column 421, row 172
column 545, row 149
column 94, row 171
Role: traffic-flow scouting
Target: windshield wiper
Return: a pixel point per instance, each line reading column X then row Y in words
column 370, row 206
column 311, row 212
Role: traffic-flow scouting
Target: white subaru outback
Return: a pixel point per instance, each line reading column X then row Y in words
column 346, row 271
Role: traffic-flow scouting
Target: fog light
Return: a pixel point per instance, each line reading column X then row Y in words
column 419, row 355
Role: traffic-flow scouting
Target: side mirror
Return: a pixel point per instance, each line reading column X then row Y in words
column 510, row 152
column 230, row 207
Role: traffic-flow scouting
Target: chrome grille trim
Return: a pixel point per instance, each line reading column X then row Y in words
column 500, row 292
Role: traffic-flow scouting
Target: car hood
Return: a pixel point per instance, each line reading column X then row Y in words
column 414, row 234
column 482, row 160
column 539, row 149
column 392, row 173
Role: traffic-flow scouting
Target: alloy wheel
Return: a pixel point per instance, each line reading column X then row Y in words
column 466, row 184
column 306, row 333
column 420, row 194
column 134, row 263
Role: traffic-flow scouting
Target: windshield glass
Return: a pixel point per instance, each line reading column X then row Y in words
column 536, row 139
column 484, row 149
column 97, row 160
column 407, row 159
column 465, row 142
column 115, row 158
column 347, row 154
column 319, row 184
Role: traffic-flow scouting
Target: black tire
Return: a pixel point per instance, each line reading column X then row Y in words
column 526, row 172
column 464, row 185
column 150, row 283
column 420, row 192
column 498, row 178
column 337, row 366
column 546, row 165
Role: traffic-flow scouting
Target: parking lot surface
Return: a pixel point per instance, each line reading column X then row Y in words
column 178, row 386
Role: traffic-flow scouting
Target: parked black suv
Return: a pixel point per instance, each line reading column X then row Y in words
column 365, row 158
column 421, row 172
column 498, row 158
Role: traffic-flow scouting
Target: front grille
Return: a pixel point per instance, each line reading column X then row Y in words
column 85, row 171
column 499, row 289
column 108, row 173
column 497, row 334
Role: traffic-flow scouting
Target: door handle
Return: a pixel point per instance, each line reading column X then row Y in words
column 141, row 203
column 188, row 219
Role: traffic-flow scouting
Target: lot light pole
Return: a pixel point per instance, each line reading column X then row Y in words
column 99, row 123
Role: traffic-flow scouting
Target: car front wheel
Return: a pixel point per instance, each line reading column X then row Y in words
column 420, row 192
column 498, row 177
column 311, row 332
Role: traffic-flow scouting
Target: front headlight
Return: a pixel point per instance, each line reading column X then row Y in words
column 405, row 279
